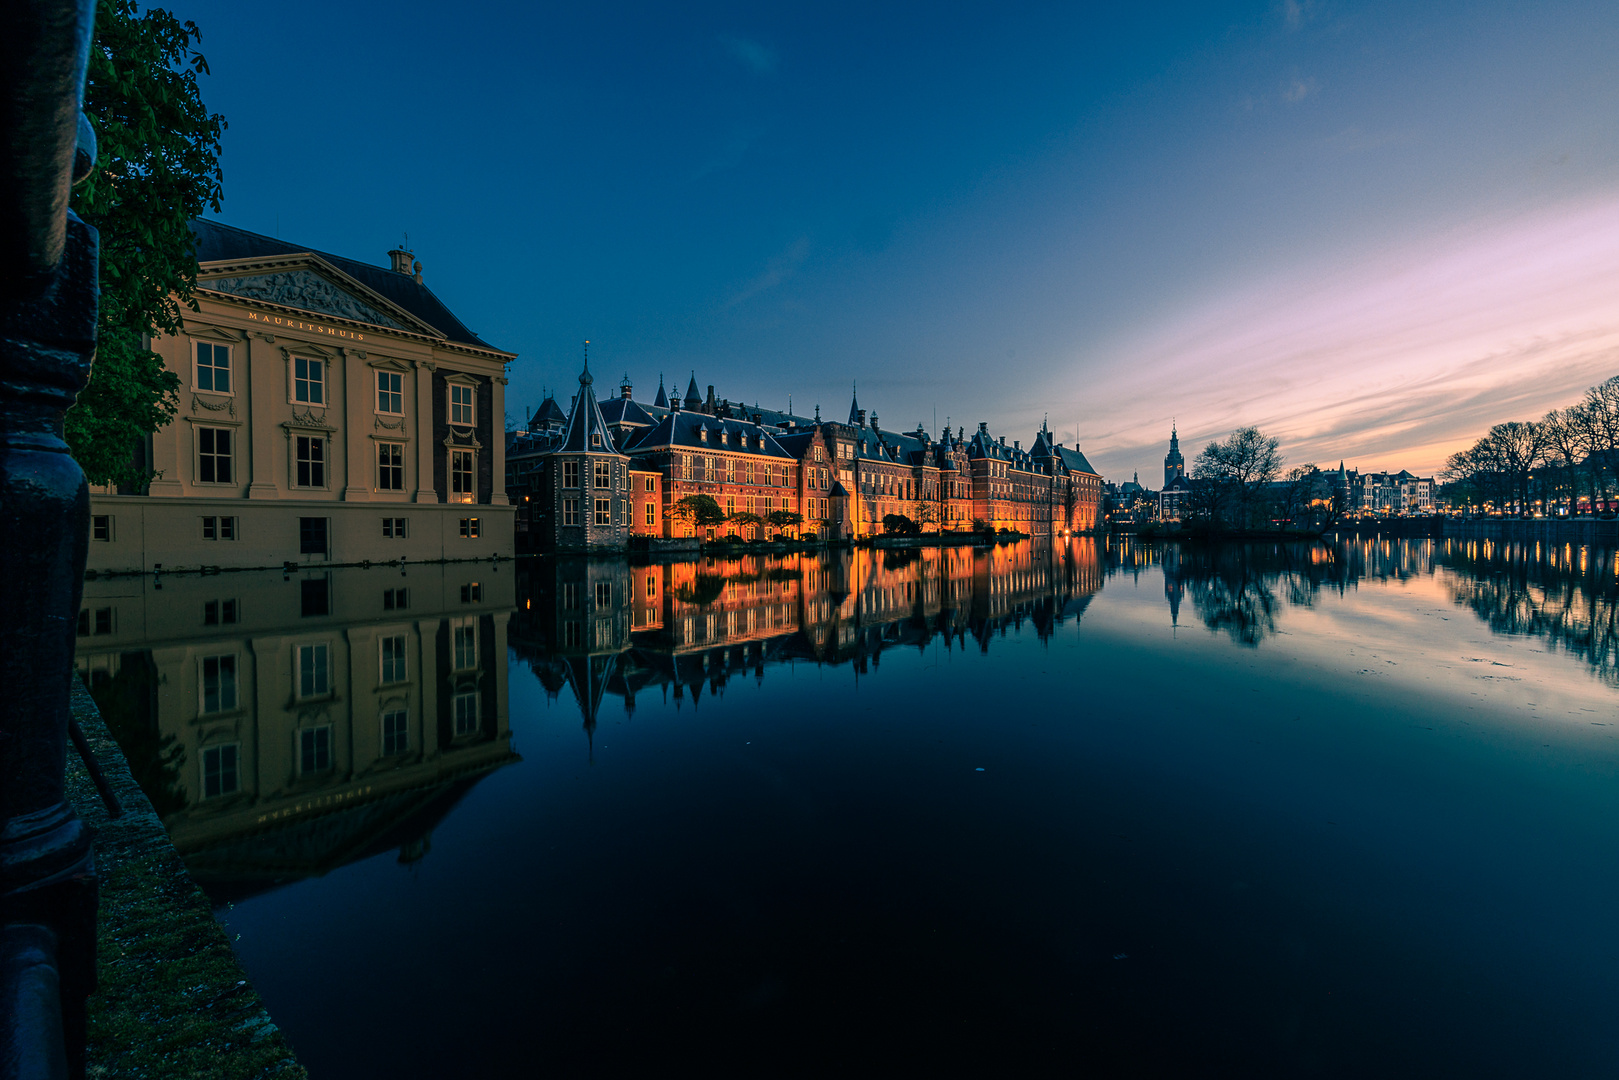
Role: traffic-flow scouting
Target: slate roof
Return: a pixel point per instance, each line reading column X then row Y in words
column 586, row 421
column 680, row 429
column 218, row 242
column 622, row 410
column 1076, row 461
column 548, row 412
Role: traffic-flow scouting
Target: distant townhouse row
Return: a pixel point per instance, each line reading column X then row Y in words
column 601, row 473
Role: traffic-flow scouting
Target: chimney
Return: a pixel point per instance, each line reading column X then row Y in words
column 983, row 427
column 712, row 406
column 1017, row 444
column 1003, row 440
column 399, row 258
column 860, row 418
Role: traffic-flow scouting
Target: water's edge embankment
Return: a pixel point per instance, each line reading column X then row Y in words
column 173, row 1000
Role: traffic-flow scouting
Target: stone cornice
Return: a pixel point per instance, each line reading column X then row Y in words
column 299, row 316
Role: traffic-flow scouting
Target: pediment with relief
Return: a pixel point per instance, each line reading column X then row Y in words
column 305, row 290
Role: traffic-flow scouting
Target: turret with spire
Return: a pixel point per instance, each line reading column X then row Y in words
column 694, row 399
column 1174, row 463
column 662, row 400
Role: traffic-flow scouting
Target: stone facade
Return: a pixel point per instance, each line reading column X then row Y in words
column 330, row 412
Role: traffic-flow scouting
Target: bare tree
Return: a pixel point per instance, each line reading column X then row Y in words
column 1238, row 468
column 1518, row 448
column 1571, row 450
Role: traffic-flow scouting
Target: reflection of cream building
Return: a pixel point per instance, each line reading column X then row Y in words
column 330, row 412
column 307, row 718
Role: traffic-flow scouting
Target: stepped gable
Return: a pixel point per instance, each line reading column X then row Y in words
column 290, row 283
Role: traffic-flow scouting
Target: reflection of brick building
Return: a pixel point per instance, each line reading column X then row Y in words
column 604, row 628
column 843, row 478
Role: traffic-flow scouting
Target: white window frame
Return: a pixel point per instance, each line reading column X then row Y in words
column 308, row 651
column 462, row 724
column 403, row 460
column 235, row 703
column 325, row 461
column 403, row 713
column 400, row 663
column 464, row 643
column 196, row 367
column 305, row 383
column 452, row 408
column 331, row 749
column 236, row 769
column 471, row 473
column 230, row 457
column 385, row 376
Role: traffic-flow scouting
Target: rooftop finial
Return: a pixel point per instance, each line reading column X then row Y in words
column 584, row 376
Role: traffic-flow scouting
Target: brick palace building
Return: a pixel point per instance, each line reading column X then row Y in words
column 598, row 473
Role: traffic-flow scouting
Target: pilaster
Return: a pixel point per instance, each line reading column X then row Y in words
column 169, row 452
column 358, row 401
column 424, row 433
column 498, row 397
column 266, row 378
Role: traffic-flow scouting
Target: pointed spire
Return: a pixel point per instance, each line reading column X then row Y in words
column 587, row 428
column 662, row 400
column 854, row 405
column 694, row 399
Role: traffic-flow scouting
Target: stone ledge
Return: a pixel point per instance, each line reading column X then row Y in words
column 173, row 1000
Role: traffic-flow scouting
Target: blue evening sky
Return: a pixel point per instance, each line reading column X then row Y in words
column 1374, row 228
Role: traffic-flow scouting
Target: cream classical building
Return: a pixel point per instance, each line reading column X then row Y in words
column 331, row 412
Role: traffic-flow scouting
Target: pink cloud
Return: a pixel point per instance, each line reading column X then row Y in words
column 1394, row 360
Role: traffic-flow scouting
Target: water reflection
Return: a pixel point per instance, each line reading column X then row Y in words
column 286, row 725
column 1567, row 594
column 683, row 629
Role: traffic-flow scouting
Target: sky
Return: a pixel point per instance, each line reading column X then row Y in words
column 1371, row 229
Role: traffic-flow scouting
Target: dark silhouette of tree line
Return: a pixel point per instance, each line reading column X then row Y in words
column 1562, row 463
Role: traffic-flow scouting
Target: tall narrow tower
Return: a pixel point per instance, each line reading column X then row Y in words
column 1174, row 464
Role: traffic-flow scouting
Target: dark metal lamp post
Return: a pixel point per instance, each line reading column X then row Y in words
column 48, row 298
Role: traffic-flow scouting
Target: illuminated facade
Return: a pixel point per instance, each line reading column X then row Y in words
column 330, row 411
column 844, row 479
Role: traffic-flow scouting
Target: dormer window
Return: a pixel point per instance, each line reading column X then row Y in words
column 595, row 438
column 702, row 434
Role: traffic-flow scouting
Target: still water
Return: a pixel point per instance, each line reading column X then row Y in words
column 1332, row 810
